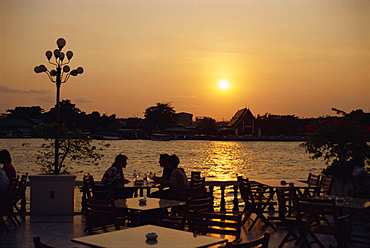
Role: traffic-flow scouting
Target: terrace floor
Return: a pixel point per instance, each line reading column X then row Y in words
column 59, row 230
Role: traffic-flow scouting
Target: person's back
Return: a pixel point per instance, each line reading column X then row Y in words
column 111, row 178
column 4, row 181
column 178, row 179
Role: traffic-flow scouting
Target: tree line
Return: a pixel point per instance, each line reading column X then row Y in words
column 162, row 116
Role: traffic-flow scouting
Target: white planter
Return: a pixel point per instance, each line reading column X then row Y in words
column 52, row 194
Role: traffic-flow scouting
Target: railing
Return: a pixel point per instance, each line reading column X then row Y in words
column 226, row 194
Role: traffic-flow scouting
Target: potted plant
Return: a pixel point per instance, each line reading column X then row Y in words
column 53, row 192
column 343, row 145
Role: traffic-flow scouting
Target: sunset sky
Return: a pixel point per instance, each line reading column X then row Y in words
column 206, row 57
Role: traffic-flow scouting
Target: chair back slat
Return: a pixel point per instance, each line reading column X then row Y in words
column 287, row 201
column 218, row 223
column 262, row 242
column 197, row 183
column 195, row 205
column 325, row 185
column 313, row 180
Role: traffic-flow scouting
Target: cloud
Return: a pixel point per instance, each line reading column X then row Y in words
column 186, row 97
column 12, row 90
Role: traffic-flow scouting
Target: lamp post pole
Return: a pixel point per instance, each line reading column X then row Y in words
column 58, row 76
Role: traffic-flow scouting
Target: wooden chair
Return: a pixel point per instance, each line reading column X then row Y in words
column 101, row 213
column 186, row 218
column 288, row 213
column 256, row 201
column 7, row 201
column 195, row 174
column 309, row 214
column 197, row 183
column 314, row 181
column 325, row 186
column 90, row 190
column 39, row 244
column 19, row 194
column 262, row 242
column 218, row 223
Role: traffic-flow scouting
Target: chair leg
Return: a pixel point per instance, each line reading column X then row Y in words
column 20, row 212
column 2, row 222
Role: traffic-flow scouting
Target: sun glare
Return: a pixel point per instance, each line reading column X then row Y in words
column 223, row 84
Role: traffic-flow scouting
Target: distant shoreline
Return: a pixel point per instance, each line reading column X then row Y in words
column 277, row 138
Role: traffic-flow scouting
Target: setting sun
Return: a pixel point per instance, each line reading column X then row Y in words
column 223, row 84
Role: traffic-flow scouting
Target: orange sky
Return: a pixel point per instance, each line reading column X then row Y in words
column 283, row 57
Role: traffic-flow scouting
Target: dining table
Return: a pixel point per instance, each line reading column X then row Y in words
column 141, row 186
column 142, row 210
column 137, row 237
column 299, row 185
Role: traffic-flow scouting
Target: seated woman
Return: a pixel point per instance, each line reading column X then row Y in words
column 178, row 181
column 114, row 179
column 166, row 170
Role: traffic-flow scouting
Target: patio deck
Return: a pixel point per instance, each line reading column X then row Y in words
column 59, row 230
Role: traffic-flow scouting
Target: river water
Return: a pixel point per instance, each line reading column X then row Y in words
column 217, row 160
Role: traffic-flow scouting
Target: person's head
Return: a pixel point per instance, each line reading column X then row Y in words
column 120, row 161
column 5, row 157
column 163, row 159
column 173, row 161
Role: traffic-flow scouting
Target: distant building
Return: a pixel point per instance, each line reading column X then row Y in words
column 16, row 128
column 184, row 120
column 243, row 123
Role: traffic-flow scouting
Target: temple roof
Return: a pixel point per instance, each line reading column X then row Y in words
column 239, row 116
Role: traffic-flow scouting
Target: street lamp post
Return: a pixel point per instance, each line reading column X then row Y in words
column 59, row 75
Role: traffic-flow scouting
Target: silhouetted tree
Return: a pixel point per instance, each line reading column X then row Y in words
column 207, row 126
column 69, row 114
column 26, row 113
column 161, row 115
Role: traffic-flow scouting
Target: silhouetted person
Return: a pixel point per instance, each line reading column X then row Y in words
column 178, row 182
column 8, row 168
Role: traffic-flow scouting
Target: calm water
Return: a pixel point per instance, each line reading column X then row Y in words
column 217, row 160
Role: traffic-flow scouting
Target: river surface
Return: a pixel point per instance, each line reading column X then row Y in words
column 217, row 160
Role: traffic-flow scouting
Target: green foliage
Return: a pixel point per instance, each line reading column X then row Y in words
column 74, row 148
column 341, row 144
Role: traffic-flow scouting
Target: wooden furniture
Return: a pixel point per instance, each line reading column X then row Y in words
column 7, row 199
column 312, row 180
column 101, row 213
column 219, row 223
column 325, row 186
column 310, row 213
column 302, row 187
column 135, row 237
column 197, row 183
column 39, row 244
column 288, row 213
column 256, row 199
column 146, row 213
column 186, row 218
column 262, row 242
column 20, row 195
